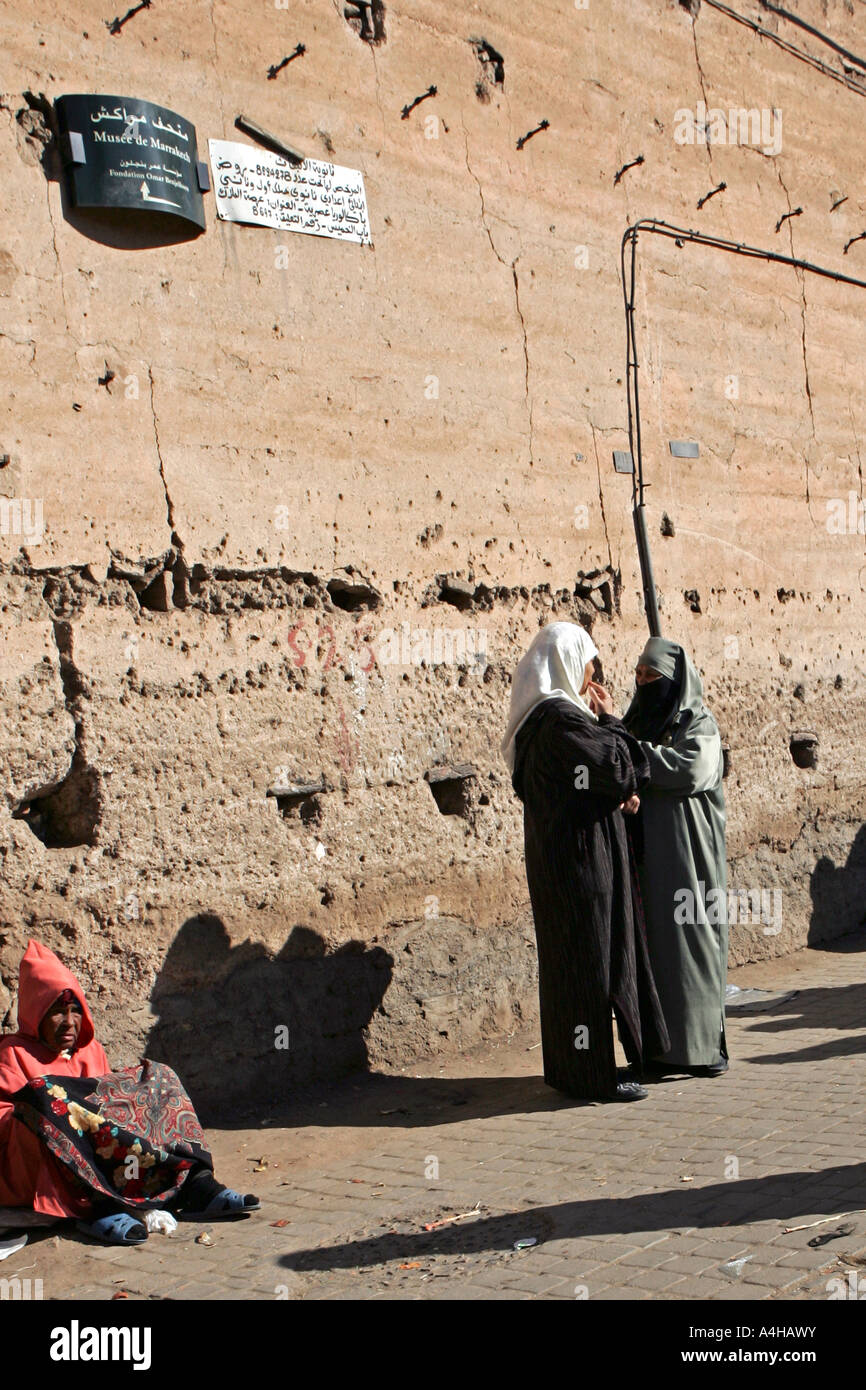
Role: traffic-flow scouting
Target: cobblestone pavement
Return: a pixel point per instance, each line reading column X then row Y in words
column 686, row 1195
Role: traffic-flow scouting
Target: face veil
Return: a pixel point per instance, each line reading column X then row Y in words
column 656, row 704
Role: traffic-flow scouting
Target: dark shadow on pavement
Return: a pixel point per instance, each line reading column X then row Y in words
column 220, row 1008
column 840, row 1007
column 783, row 1197
column 820, row 1052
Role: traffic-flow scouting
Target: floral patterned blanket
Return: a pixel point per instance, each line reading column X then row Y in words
column 132, row 1135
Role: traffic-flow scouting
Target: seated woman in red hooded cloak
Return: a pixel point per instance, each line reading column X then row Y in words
column 78, row 1140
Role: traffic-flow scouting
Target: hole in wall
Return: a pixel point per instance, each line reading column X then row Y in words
column 804, row 749
column 37, row 131
column 451, row 788
column 352, row 597
column 492, row 72
column 366, row 18
column 67, row 814
column 693, row 599
column 157, row 597
column 300, row 802
column 458, row 592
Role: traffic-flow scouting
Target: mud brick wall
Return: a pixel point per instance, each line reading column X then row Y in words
column 304, row 503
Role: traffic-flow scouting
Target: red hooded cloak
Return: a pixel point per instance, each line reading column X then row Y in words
column 29, row 1176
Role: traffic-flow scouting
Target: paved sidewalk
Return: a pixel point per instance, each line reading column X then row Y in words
column 658, row 1199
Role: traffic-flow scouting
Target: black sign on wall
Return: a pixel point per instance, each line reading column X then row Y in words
column 120, row 152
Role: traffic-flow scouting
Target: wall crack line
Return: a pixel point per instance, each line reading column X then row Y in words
column 703, row 87
column 526, row 392
column 169, row 505
column 217, row 62
column 601, row 495
column 57, row 257
column 512, row 266
column 801, row 276
column 378, row 91
column 859, row 459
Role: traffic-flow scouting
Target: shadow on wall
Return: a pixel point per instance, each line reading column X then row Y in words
column 237, row 1024
column 839, row 894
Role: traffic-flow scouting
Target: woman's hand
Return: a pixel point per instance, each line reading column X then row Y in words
column 599, row 699
column 632, row 806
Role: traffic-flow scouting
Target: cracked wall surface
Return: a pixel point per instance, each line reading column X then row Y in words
column 275, row 471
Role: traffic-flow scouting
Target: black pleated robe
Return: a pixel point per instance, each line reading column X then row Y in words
column 592, row 952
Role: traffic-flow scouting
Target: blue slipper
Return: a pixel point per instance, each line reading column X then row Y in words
column 225, row 1203
column 118, row 1229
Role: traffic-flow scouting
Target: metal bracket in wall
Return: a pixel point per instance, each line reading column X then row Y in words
column 72, row 144
column 684, row 448
column 362, row 10
column 623, row 461
column 203, row 174
column 272, row 142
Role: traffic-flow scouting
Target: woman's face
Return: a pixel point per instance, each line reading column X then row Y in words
column 61, row 1025
column 587, row 675
column 644, row 674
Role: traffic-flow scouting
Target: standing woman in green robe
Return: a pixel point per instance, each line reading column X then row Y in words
column 682, row 862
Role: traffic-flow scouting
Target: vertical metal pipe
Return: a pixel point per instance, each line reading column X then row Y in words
column 637, row 451
column 650, row 600
column 680, row 235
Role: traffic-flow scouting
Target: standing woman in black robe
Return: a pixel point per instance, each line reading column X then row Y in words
column 575, row 777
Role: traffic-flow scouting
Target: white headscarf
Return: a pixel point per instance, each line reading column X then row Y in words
column 554, row 665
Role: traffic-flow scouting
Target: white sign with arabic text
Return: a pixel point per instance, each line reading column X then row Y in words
column 254, row 186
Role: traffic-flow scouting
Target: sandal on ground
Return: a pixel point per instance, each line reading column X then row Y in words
column 117, row 1229
column 225, row 1203
column 629, row 1090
